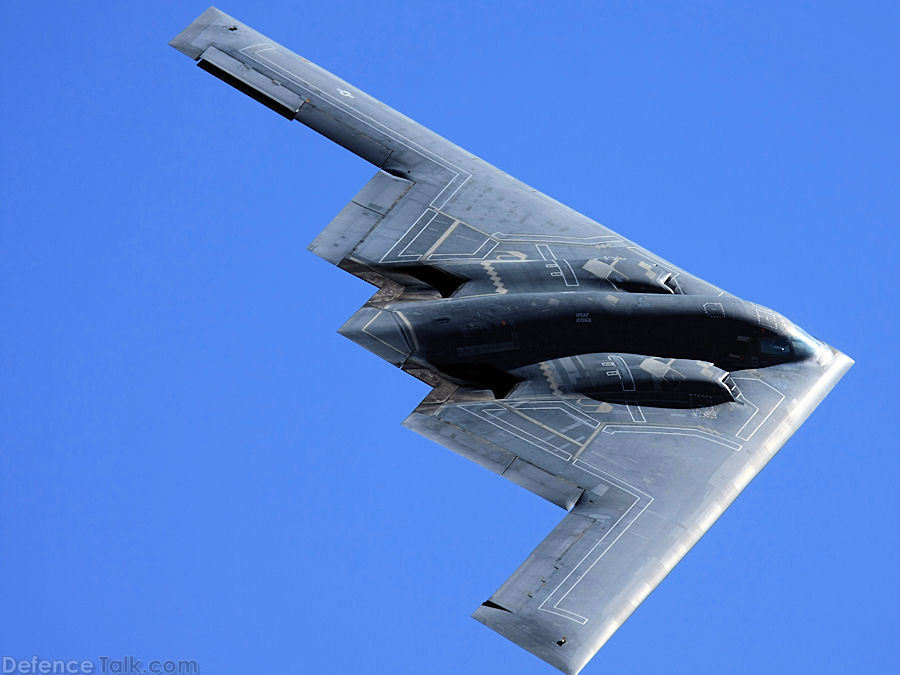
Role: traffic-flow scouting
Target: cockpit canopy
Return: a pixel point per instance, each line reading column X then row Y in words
column 765, row 338
column 805, row 345
column 774, row 345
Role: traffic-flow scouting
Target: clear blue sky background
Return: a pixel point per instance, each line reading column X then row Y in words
column 195, row 465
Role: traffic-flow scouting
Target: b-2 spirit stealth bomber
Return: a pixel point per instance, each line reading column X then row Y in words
column 634, row 395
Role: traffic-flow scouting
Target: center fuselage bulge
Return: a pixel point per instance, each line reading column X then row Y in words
column 478, row 339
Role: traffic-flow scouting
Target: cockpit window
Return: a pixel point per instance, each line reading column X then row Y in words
column 775, row 346
column 804, row 344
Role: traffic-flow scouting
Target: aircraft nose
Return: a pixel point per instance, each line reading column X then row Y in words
column 379, row 331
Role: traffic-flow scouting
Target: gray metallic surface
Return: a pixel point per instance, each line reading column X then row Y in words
column 563, row 357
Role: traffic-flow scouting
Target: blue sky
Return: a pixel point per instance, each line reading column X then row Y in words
column 195, row 465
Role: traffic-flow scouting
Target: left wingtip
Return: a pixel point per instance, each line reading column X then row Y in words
column 185, row 41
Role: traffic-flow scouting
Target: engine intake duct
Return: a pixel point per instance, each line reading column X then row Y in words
column 634, row 276
column 631, row 378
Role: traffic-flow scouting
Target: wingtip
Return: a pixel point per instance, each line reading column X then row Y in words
column 185, row 40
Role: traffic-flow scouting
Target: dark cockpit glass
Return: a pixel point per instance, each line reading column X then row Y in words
column 775, row 346
column 802, row 349
column 805, row 345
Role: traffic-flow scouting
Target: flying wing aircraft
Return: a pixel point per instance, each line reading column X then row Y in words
column 634, row 395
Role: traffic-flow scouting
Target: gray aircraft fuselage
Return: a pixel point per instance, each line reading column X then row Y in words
column 479, row 341
column 560, row 355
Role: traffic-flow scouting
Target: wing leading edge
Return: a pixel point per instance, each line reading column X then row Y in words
column 652, row 487
column 452, row 208
column 642, row 481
